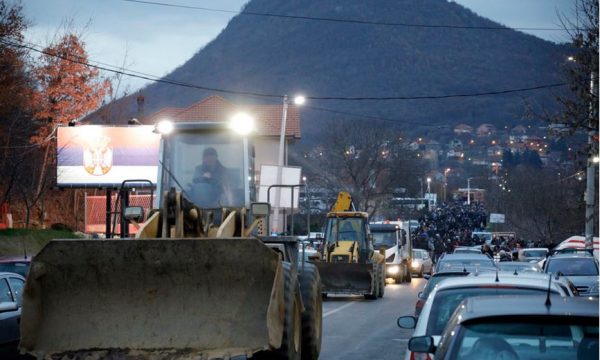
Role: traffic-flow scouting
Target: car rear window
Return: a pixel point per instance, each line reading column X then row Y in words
column 473, row 263
column 434, row 280
column 573, row 266
column 550, row 338
column 21, row 268
column 534, row 253
column 446, row 301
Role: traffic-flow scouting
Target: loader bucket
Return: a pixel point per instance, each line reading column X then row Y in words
column 349, row 278
column 154, row 299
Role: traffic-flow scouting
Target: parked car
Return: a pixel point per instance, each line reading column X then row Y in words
column 445, row 297
column 438, row 277
column 518, row 267
column 11, row 295
column 516, row 327
column 472, row 260
column 15, row 264
column 580, row 268
column 532, row 254
column 421, row 262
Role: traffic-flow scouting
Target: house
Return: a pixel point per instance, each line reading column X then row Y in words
column 267, row 117
column 455, row 144
column 486, row 130
column 463, row 129
column 495, row 151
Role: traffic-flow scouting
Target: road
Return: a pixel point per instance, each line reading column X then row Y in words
column 355, row 328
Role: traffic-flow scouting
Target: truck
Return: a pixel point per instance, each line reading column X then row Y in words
column 394, row 238
column 200, row 279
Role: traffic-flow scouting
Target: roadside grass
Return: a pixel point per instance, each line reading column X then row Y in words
column 17, row 242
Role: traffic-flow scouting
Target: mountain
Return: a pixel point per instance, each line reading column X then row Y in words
column 336, row 59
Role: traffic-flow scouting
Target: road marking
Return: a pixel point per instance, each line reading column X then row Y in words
column 338, row 309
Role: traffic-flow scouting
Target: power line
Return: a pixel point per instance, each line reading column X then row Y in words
column 430, row 97
column 337, row 20
column 135, row 74
column 371, row 117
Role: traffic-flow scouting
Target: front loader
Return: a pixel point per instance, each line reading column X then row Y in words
column 349, row 264
column 200, row 280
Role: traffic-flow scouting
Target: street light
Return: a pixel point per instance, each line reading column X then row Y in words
column 446, row 182
column 298, row 100
column 429, row 193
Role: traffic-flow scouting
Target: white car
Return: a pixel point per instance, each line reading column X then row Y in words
column 421, row 262
column 446, row 296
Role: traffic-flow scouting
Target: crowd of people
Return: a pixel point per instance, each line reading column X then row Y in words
column 450, row 225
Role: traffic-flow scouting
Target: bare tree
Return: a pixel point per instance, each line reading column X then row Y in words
column 539, row 204
column 368, row 161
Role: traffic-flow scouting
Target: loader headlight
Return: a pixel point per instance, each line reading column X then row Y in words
column 393, row 270
column 164, row 127
column 242, row 124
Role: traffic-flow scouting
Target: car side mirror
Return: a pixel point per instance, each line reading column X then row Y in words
column 407, row 322
column 426, row 276
column 421, row 344
column 134, row 213
column 419, row 294
column 8, row 306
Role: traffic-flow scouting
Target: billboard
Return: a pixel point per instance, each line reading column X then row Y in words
column 105, row 156
column 289, row 176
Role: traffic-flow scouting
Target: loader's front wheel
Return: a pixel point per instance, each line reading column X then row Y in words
column 374, row 284
column 381, row 278
column 312, row 318
column 291, row 344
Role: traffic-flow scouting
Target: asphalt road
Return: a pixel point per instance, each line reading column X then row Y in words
column 359, row 329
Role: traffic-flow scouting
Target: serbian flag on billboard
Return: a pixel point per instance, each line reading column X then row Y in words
column 98, row 156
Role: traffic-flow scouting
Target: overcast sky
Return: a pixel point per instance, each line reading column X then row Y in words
column 155, row 40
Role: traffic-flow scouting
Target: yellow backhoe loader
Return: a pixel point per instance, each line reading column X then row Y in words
column 200, row 280
column 349, row 263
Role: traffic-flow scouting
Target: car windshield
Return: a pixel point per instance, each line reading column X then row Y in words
column 534, row 253
column 564, row 338
column 573, row 266
column 446, row 301
column 208, row 166
column 384, row 238
column 21, row 268
column 417, row 254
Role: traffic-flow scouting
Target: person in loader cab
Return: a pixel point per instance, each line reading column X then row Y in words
column 212, row 176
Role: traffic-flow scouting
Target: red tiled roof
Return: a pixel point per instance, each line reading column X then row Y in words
column 216, row 108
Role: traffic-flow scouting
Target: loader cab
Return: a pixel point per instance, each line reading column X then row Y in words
column 347, row 237
column 209, row 163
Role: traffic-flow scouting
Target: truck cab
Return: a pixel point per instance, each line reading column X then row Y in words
column 393, row 237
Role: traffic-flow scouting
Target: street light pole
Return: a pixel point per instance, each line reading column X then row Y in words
column 590, row 196
column 280, row 163
column 469, row 191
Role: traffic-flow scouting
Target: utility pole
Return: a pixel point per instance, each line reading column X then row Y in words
column 280, row 163
column 590, row 193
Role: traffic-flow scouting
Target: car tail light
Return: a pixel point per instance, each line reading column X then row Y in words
column 419, row 306
column 420, row 356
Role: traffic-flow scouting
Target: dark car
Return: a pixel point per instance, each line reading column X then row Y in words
column 517, row 327
column 15, row 264
column 457, row 260
column 444, row 274
column 579, row 267
column 11, row 293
